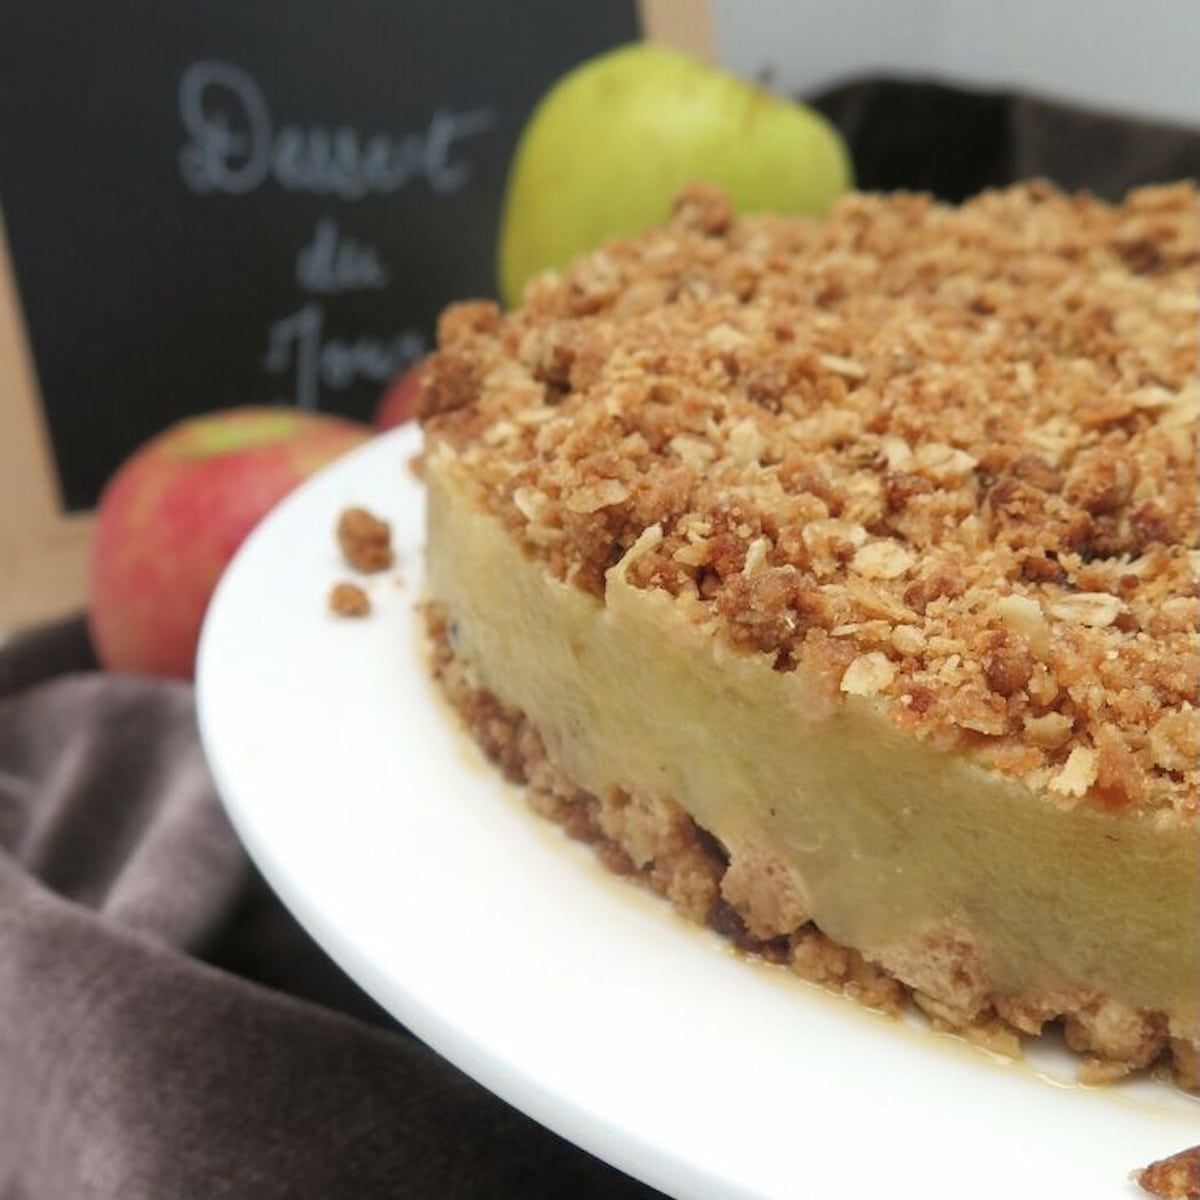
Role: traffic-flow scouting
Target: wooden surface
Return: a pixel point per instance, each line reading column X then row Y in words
column 684, row 24
column 43, row 551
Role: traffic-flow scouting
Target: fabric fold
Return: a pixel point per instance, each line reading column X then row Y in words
column 166, row 1029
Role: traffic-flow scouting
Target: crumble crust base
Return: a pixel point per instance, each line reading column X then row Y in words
column 658, row 844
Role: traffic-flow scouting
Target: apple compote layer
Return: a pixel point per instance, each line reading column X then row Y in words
column 870, row 545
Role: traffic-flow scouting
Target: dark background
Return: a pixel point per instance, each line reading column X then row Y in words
column 147, row 302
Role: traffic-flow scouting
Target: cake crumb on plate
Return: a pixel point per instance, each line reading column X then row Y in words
column 349, row 600
column 1173, row 1178
column 365, row 541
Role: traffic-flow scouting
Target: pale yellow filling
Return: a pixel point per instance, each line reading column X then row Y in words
column 886, row 838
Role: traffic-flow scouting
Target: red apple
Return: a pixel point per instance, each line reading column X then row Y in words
column 171, row 517
column 399, row 401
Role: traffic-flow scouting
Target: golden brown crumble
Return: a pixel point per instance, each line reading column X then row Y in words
column 945, row 456
column 1174, row 1178
column 365, row 540
column 349, row 600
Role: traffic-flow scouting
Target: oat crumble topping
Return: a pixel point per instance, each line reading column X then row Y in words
column 945, row 457
column 365, row 541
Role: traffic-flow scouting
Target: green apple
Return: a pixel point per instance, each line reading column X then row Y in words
column 615, row 138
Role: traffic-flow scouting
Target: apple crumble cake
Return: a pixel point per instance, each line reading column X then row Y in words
column 839, row 580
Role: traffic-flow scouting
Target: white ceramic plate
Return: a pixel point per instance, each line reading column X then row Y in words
column 571, row 994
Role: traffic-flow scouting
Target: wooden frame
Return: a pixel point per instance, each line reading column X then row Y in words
column 44, row 549
column 685, row 24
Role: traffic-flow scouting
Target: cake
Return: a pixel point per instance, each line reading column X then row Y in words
column 838, row 580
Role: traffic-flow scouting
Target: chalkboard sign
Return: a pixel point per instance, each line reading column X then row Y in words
column 217, row 203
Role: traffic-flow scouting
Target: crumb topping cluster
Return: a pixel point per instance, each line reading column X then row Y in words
column 942, row 457
column 365, row 541
column 366, row 545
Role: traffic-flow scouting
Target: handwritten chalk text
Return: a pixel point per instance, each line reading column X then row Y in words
column 332, row 262
column 234, row 147
column 296, row 347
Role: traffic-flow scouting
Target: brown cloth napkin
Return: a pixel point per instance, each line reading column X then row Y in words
column 166, row 1029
